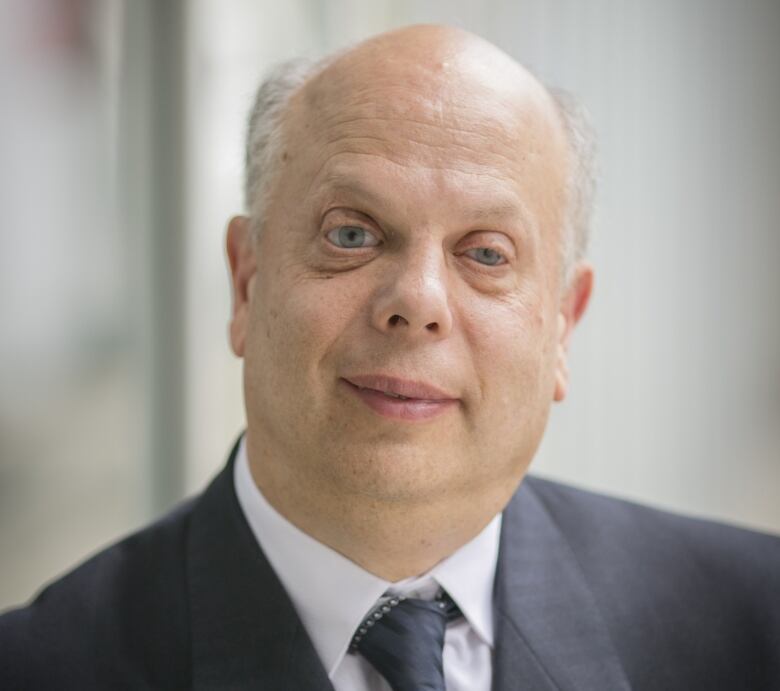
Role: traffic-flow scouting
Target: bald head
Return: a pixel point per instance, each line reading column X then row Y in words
column 429, row 57
column 430, row 78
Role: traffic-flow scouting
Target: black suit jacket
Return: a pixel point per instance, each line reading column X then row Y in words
column 592, row 594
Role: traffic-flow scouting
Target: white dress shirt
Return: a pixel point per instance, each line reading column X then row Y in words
column 332, row 594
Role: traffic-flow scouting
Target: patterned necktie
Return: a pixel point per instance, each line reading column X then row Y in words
column 403, row 639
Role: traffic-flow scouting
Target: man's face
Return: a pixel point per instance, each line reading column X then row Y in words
column 411, row 246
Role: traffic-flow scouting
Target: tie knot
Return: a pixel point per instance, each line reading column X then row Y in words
column 403, row 639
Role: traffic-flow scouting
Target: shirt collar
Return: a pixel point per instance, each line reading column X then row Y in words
column 332, row 594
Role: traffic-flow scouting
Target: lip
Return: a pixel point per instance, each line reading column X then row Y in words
column 421, row 401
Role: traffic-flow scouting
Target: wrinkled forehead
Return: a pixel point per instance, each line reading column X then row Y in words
column 450, row 111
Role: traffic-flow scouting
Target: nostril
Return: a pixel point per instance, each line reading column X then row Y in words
column 433, row 326
column 395, row 319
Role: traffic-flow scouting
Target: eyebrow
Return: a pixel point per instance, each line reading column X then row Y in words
column 340, row 183
column 497, row 210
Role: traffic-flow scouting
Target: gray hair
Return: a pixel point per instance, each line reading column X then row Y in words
column 264, row 131
column 264, row 144
column 581, row 183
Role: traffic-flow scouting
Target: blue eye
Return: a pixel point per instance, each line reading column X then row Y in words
column 485, row 255
column 351, row 237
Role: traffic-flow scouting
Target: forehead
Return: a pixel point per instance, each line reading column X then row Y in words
column 438, row 108
column 440, row 127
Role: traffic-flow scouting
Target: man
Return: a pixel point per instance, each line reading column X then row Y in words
column 405, row 289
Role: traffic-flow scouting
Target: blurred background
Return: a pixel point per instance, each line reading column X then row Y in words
column 121, row 134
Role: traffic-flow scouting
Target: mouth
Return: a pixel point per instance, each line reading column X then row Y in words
column 400, row 399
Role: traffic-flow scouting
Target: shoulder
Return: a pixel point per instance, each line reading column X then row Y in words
column 596, row 523
column 674, row 588
column 123, row 605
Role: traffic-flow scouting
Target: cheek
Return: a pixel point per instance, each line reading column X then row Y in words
column 513, row 346
column 514, row 354
column 297, row 318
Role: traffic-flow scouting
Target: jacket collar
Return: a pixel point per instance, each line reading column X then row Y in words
column 549, row 631
column 245, row 631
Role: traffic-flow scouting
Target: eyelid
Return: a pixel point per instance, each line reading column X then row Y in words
column 339, row 216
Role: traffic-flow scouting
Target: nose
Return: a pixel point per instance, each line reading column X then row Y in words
column 414, row 299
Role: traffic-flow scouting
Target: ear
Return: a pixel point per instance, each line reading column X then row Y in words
column 243, row 267
column 573, row 304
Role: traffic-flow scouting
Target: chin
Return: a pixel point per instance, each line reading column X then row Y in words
column 394, row 471
column 413, row 473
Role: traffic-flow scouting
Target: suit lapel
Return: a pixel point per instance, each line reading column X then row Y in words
column 549, row 631
column 245, row 631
